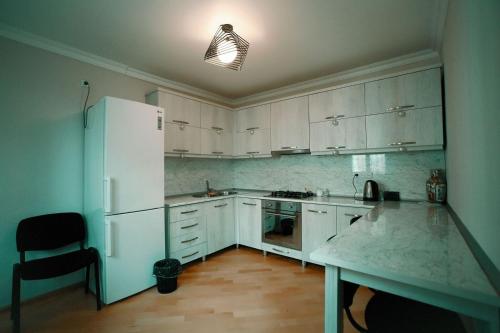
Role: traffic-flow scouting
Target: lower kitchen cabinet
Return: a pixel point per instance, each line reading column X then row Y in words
column 319, row 223
column 249, row 221
column 345, row 214
column 220, row 224
column 187, row 233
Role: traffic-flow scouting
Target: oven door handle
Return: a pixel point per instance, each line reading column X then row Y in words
column 280, row 214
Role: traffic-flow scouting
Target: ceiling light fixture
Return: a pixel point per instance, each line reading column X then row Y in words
column 227, row 49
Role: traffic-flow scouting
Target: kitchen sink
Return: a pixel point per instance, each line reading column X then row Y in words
column 214, row 194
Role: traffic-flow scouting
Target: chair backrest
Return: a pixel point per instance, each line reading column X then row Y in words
column 47, row 232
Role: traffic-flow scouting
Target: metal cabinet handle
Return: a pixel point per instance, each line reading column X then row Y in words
column 278, row 250
column 189, row 240
column 280, row 214
column 217, row 128
column 217, row 152
column 402, row 143
column 289, row 147
column 352, row 215
column 190, row 255
column 181, row 122
column 252, row 128
column 189, row 211
column 249, row 204
column 336, row 147
column 190, row 226
column 253, row 152
column 400, row 107
column 335, row 117
column 218, row 206
column 318, row 211
column 181, row 150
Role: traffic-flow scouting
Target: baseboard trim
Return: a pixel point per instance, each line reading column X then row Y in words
column 489, row 268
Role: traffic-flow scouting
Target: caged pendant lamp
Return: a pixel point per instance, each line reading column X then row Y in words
column 227, row 49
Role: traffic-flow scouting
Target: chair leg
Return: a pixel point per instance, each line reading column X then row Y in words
column 87, row 273
column 16, row 299
column 97, row 285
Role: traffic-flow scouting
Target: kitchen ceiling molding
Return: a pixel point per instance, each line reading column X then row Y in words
column 400, row 65
column 439, row 24
column 89, row 58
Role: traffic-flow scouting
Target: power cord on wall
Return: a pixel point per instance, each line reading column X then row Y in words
column 85, row 109
column 354, row 185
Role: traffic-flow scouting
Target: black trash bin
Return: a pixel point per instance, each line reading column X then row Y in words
column 167, row 271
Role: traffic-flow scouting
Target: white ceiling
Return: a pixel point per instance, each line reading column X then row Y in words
column 290, row 40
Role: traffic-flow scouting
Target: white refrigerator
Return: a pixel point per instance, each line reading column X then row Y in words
column 124, row 193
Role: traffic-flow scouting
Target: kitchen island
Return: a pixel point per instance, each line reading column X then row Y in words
column 414, row 250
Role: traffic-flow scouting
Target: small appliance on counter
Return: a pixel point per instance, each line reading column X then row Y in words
column 436, row 186
column 371, row 191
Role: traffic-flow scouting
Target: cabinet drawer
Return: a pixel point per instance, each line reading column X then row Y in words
column 283, row 251
column 185, row 212
column 185, row 241
column 191, row 253
column 181, row 228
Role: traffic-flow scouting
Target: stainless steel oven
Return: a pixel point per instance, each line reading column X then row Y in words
column 282, row 223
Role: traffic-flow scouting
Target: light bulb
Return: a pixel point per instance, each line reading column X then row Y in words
column 225, row 46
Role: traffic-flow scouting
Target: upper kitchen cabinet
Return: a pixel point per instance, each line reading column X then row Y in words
column 216, row 118
column 254, row 118
column 290, row 124
column 339, row 103
column 404, row 92
column 182, row 140
column 216, row 143
column 406, row 130
column 338, row 136
column 253, row 143
column 178, row 109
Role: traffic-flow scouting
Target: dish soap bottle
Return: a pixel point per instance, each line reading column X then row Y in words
column 436, row 186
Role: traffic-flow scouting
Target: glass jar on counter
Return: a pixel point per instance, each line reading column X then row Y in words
column 436, row 186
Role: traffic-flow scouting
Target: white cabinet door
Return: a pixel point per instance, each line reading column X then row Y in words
column 180, row 139
column 344, row 134
column 220, row 224
column 177, row 109
column 133, row 242
column 253, row 143
column 409, row 91
column 258, row 117
column 214, row 117
column 216, row 143
column 249, row 222
column 414, row 128
column 345, row 214
column 338, row 103
column 290, row 124
column 319, row 223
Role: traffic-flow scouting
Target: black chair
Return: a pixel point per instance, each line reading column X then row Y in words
column 48, row 232
column 387, row 313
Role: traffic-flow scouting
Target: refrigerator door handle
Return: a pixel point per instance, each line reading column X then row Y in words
column 109, row 237
column 107, row 195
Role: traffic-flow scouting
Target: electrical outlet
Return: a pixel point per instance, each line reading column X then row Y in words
column 84, row 83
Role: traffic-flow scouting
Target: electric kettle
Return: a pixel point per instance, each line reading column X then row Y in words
column 370, row 191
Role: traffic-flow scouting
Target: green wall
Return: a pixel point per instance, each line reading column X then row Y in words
column 41, row 143
column 471, row 56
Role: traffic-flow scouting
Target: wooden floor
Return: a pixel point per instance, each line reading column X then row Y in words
column 236, row 290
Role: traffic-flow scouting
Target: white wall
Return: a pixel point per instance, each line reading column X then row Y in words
column 471, row 55
column 41, row 141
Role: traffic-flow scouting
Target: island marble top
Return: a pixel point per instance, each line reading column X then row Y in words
column 414, row 243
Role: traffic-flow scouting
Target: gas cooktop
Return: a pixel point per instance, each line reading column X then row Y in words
column 290, row 194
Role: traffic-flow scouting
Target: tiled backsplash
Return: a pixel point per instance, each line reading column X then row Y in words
column 404, row 172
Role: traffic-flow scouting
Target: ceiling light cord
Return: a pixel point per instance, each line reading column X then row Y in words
column 85, row 109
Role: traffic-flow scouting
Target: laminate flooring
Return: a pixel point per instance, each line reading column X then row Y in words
column 235, row 290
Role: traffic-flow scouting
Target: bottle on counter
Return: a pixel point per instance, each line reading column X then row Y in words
column 436, row 186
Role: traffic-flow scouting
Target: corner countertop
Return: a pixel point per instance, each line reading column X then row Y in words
column 188, row 199
column 414, row 243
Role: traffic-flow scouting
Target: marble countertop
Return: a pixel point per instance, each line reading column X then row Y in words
column 181, row 200
column 415, row 243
